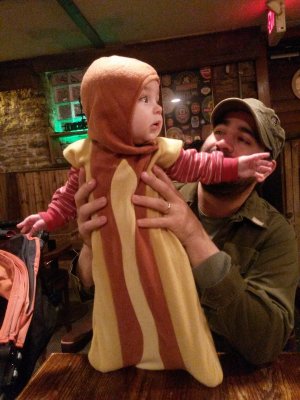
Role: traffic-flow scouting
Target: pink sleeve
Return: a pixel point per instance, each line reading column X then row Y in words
column 192, row 166
column 62, row 207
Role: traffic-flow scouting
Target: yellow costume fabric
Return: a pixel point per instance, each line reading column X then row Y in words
column 146, row 308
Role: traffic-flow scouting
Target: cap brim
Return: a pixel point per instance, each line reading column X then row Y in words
column 227, row 105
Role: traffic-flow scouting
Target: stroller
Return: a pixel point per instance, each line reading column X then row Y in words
column 27, row 317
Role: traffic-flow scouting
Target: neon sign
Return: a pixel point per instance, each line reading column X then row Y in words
column 271, row 21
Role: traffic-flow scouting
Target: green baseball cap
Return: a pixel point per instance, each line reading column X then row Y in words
column 271, row 134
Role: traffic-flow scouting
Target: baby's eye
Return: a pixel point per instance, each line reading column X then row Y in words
column 218, row 132
column 95, row 142
column 144, row 99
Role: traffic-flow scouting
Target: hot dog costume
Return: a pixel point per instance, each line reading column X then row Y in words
column 146, row 308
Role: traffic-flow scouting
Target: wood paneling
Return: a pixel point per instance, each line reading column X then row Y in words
column 37, row 188
column 25, row 193
column 234, row 80
column 291, row 180
column 283, row 100
column 9, row 197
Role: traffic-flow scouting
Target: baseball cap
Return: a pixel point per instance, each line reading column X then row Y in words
column 269, row 130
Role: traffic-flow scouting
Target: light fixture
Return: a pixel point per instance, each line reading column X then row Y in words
column 276, row 21
column 286, row 55
column 275, row 6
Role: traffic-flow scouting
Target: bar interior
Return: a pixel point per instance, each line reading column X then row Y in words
column 133, row 332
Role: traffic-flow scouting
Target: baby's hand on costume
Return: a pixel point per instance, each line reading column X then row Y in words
column 255, row 165
column 32, row 224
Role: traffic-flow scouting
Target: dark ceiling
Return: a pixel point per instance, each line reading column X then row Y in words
column 32, row 28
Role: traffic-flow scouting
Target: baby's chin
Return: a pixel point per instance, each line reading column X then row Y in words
column 146, row 143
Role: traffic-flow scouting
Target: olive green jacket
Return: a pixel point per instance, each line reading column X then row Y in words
column 248, row 289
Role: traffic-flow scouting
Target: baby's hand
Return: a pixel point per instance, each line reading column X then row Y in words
column 256, row 166
column 32, row 224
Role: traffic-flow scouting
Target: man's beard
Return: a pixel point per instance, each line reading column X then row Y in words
column 229, row 189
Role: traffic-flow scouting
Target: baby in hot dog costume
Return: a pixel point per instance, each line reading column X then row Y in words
column 146, row 308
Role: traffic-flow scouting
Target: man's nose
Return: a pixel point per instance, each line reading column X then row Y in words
column 225, row 145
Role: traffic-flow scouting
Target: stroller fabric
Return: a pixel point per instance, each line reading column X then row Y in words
column 27, row 319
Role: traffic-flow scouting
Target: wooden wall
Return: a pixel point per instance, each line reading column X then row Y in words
column 277, row 188
column 284, row 101
column 25, row 193
column 287, row 106
column 291, row 183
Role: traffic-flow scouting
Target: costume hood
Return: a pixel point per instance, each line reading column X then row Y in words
column 109, row 90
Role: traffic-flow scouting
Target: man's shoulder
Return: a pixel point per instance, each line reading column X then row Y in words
column 261, row 210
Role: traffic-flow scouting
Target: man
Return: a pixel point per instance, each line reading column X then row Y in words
column 242, row 251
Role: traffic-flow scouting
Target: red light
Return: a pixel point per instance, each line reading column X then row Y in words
column 271, row 21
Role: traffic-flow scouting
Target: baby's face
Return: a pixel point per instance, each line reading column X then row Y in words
column 147, row 121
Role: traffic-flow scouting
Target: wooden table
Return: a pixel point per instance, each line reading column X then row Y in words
column 69, row 376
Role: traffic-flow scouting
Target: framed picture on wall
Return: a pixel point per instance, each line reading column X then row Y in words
column 64, row 111
column 74, row 92
column 187, row 101
column 64, row 100
column 61, row 94
column 59, row 78
column 76, row 76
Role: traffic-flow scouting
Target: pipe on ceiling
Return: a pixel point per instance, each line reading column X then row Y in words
column 77, row 17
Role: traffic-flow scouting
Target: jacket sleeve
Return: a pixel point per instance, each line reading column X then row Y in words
column 62, row 207
column 192, row 166
column 254, row 309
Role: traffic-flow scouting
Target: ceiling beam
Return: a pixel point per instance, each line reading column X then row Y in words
column 86, row 28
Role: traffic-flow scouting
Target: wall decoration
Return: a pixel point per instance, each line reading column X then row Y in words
column 61, row 94
column 64, row 100
column 296, row 84
column 187, row 101
column 59, row 78
column 64, row 111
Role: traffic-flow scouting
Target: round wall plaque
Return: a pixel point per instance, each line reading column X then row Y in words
column 296, row 83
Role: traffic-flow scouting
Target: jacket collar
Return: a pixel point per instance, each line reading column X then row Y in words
column 253, row 209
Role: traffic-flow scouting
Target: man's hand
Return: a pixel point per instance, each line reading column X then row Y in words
column 178, row 217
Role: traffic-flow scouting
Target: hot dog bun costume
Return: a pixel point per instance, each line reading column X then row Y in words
column 146, row 308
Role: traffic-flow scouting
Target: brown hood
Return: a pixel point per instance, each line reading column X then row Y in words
column 109, row 90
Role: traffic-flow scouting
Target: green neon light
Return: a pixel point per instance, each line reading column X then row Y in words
column 71, row 138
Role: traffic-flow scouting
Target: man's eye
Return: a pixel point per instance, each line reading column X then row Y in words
column 245, row 141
